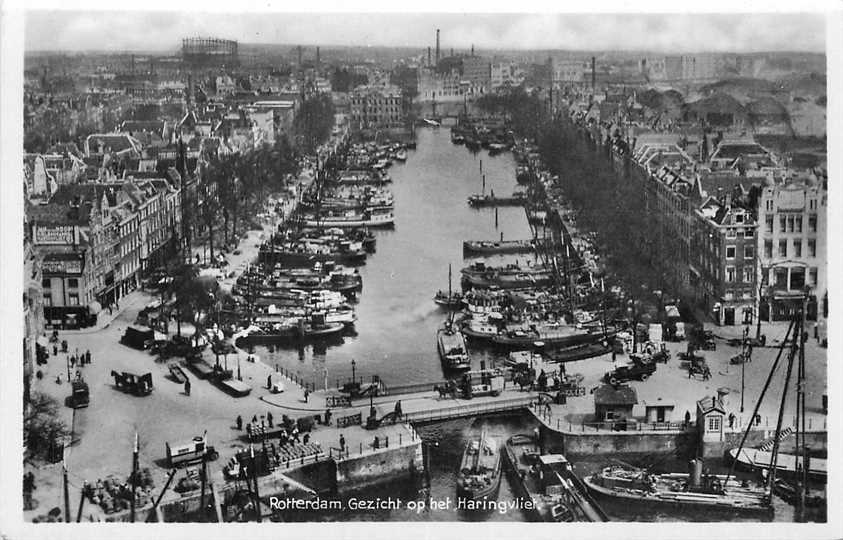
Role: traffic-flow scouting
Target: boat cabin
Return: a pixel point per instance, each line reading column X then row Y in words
column 613, row 404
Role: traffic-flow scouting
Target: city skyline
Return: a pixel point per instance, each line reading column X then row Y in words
column 82, row 31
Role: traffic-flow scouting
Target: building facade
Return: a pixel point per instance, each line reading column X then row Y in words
column 377, row 107
column 792, row 249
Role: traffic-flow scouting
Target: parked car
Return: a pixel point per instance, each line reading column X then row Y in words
column 638, row 370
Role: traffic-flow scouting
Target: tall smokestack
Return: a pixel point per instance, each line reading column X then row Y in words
column 437, row 47
column 428, row 57
column 317, row 57
column 472, row 49
column 593, row 73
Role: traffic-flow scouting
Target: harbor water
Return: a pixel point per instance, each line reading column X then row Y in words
column 397, row 318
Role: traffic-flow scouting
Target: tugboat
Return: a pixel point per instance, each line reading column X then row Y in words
column 547, row 484
column 480, row 471
column 628, row 484
column 452, row 349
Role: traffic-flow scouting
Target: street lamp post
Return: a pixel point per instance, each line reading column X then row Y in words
column 353, row 366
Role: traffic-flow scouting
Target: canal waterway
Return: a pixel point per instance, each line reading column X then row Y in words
column 397, row 322
column 397, row 318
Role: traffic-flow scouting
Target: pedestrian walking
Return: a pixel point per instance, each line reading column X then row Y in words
column 687, row 418
column 398, row 412
column 268, row 381
column 55, row 350
column 269, row 419
column 239, row 422
column 187, row 387
column 328, row 417
column 249, row 430
column 88, row 356
column 614, row 355
column 731, row 420
column 342, row 443
column 255, row 419
column 296, row 433
column 306, row 394
column 306, row 438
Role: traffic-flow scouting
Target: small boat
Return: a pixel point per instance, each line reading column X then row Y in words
column 751, row 458
column 366, row 219
column 548, row 483
column 627, row 484
column 401, row 155
column 452, row 349
column 789, row 494
column 485, row 247
column 480, row 201
column 453, row 300
column 480, row 470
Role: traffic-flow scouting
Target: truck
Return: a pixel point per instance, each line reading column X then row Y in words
column 484, row 382
column 196, row 450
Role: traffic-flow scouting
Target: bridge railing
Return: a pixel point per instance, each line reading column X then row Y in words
column 471, row 409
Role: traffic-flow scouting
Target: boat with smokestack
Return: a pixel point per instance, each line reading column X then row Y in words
column 626, row 484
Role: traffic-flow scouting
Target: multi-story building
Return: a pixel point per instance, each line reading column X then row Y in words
column 506, row 74
column 723, row 261
column 441, row 87
column 792, row 248
column 478, row 72
column 377, row 107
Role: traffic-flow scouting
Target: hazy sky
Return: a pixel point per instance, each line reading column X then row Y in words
column 74, row 30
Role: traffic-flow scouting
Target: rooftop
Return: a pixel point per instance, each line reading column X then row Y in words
column 610, row 395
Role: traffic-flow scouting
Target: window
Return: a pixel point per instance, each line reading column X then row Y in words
column 739, row 218
column 747, row 274
column 46, row 283
column 797, row 248
column 812, row 276
column 714, row 423
column 781, row 278
column 790, row 223
column 770, row 209
column 748, row 252
column 798, row 221
column 782, row 248
column 73, row 283
column 768, row 249
column 812, row 223
column 730, row 274
column 783, row 224
column 73, row 299
column 730, row 252
column 750, row 233
column 812, row 248
column 48, row 299
column 812, row 204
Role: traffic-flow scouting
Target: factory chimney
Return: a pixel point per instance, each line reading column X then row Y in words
column 317, row 57
column 593, row 74
column 428, row 57
column 437, row 47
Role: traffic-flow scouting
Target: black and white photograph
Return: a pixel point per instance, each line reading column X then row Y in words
column 460, row 266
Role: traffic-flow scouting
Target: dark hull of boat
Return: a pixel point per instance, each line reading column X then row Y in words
column 579, row 352
column 550, row 342
column 475, row 282
column 491, row 248
column 306, row 260
column 626, row 499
